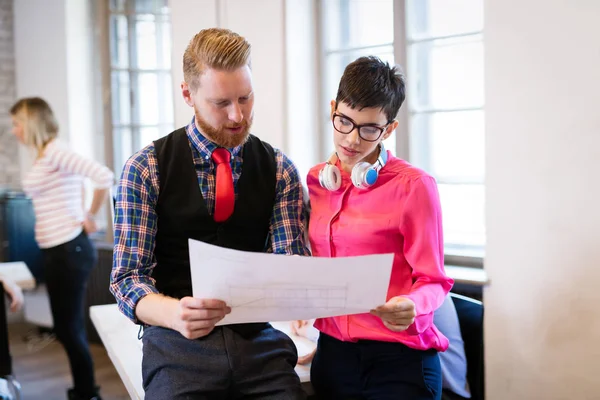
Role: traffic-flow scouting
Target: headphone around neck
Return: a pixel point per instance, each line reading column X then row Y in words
column 364, row 175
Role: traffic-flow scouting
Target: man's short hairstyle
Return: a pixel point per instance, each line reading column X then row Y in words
column 215, row 48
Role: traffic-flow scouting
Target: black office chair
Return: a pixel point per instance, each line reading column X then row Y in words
column 470, row 317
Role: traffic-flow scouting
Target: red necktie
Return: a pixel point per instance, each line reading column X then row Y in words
column 224, row 198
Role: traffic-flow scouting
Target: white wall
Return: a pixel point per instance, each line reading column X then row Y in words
column 80, row 83
column 40, row 58
column 52, row 60
column 301, row 85
column 542, row 82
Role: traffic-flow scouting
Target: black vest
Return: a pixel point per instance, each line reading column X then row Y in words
column 182, row 212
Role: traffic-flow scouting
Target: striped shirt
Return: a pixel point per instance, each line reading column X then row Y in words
column 55, row 185
column 136, row 218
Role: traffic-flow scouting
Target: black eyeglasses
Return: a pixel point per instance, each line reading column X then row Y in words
column 367, row 132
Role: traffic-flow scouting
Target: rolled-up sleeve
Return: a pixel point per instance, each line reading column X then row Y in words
column 288, row 221
column 135, row 232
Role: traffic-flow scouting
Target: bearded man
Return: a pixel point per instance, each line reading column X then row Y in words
column 215, row 182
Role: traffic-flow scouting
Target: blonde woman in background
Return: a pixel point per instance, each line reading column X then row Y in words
column 55, row 184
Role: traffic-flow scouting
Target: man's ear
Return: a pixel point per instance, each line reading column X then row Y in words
column 186, row 92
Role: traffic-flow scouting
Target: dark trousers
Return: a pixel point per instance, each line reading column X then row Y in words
column 66, row 270
column 222, row 365
column 374, row 370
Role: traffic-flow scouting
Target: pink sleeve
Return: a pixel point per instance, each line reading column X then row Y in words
column 424, row 251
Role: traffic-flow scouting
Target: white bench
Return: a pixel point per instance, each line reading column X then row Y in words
column 119, row 336
column 18, row 273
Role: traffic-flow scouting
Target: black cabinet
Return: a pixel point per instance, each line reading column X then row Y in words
column 17, row 236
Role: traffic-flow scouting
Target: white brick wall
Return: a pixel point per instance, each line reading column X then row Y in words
column 9, row 152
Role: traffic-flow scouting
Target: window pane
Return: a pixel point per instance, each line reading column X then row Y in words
column 147, row 95
column 446, row 73
column 121, row 98
column 117, row 5
column 450, row 146
column 164, row 49
column 149, row 134
column 145, row 36
column 123, row 148
column 142, row 92
column 431, row 18
column 151, row 6
column 165, row 99
column 357, row 23
column 463, row 213
column 153, row 45
column 119, row 52
column 139, row 6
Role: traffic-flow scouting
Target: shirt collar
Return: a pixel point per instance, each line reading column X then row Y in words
column 203, row 145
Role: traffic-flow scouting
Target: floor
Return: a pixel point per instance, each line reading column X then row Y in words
column 40, row 365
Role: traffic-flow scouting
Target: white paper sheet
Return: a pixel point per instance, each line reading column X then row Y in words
column 263, row 287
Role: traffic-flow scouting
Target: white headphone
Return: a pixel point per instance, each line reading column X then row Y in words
column 364, row 175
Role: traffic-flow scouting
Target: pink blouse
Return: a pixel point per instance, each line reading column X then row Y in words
column 400, row 214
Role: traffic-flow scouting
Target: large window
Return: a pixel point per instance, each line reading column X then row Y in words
column 441, row 44
column 445, row 100
column 140, row 73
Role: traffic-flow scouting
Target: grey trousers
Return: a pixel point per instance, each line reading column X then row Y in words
column 222, row 365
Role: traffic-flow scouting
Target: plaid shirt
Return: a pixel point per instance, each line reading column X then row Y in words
column 136, row 218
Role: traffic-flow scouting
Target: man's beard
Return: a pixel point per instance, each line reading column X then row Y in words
column 220, row 136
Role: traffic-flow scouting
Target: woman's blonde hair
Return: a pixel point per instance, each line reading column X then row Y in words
column 214, row 48
column 39, row 122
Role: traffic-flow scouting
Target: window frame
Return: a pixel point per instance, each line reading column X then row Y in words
column 102, row 17
column 468, row 257
column 133, row 73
